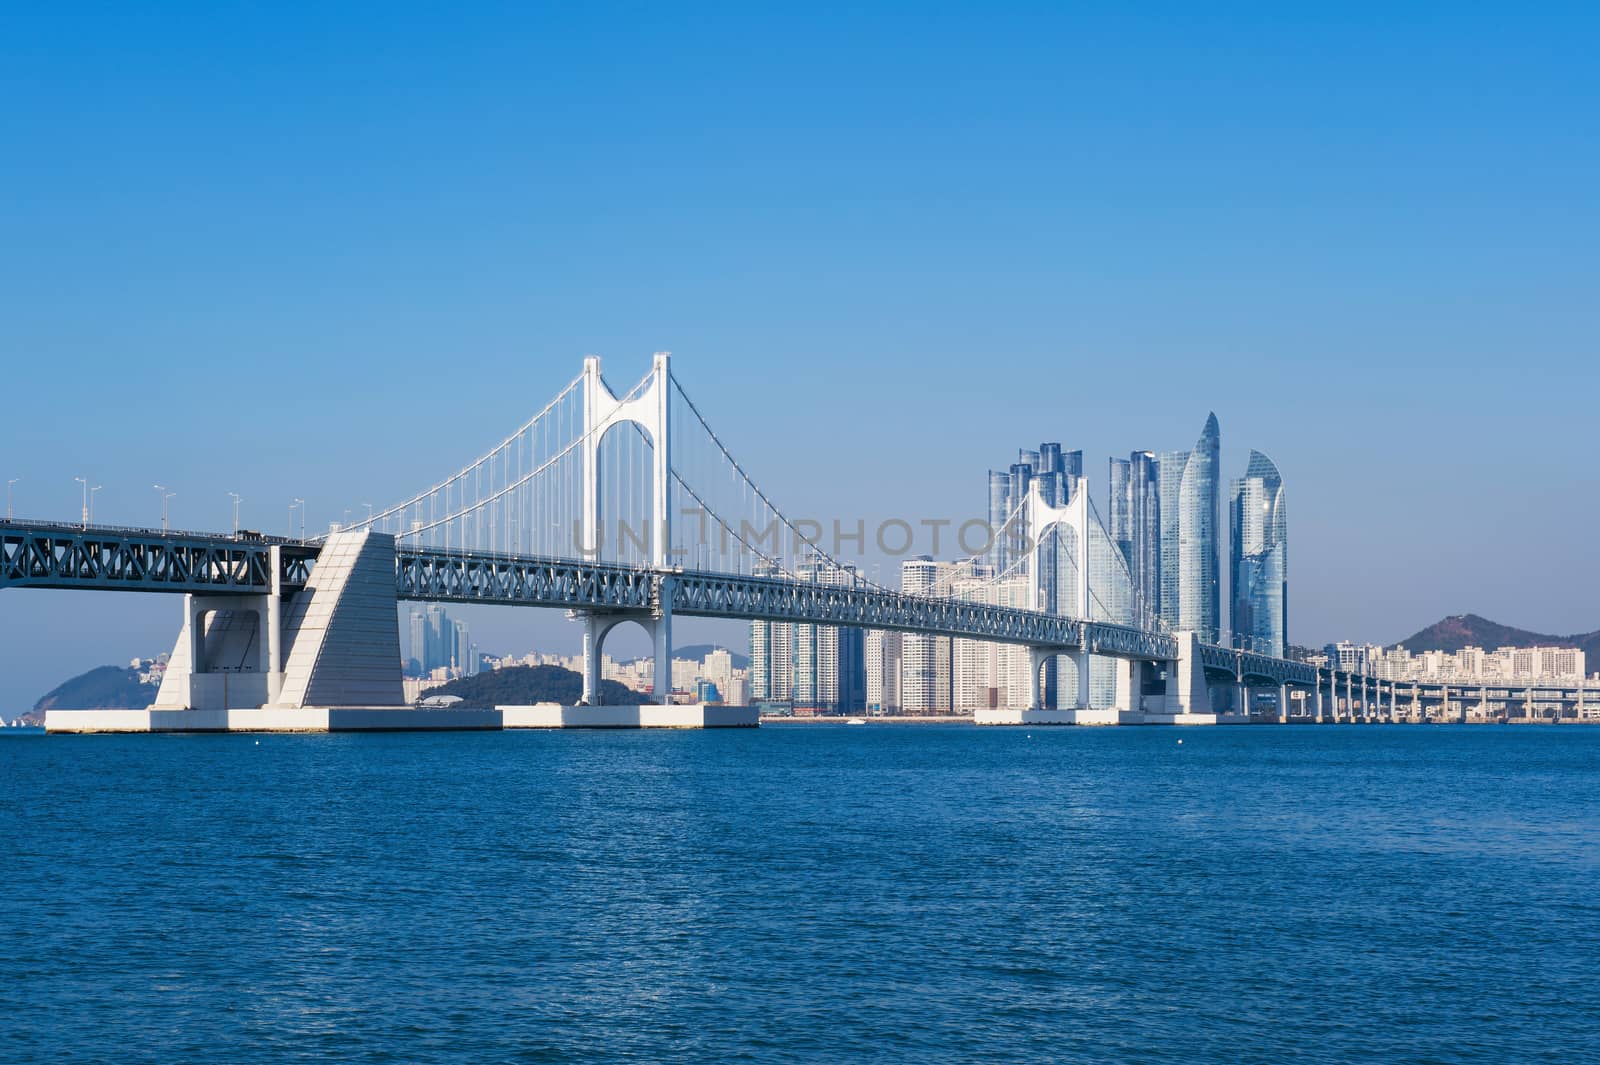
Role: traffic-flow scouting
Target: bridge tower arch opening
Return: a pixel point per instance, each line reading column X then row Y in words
column 648, row 408
column 220, row 657
column 598, row 626
column 228, row 639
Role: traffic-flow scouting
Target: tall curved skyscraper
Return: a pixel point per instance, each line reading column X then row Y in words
column 1198, row 584
column 1259, row 581
column 1169, row 483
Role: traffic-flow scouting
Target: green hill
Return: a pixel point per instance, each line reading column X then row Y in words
column 522, row 685
column 102, row 688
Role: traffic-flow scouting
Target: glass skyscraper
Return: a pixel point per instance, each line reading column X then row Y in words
column 1169, row 480
column 1259, row 578
column 1187, row 563
column 999, row 510
column 1199, row 584
column 1135, row 527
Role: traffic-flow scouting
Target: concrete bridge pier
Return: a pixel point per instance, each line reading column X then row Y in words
column 246, row 661
column 1187, row 691
column 334, row 643
column 596, row 626
column 1037, row 658
column 219, row 659
column 1080, row 662
column 275, row 625
column 1129, row 686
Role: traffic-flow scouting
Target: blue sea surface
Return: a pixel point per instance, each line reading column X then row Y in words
column 804, row 893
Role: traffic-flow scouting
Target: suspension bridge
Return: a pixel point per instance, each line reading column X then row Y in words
column 626, row 506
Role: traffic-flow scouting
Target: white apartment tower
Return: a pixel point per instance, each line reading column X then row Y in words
column 925, row 660
column 883, row 671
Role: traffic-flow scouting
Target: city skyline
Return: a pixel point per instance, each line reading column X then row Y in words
column 1143, row 571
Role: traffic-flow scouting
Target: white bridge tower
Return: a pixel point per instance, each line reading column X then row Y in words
column 648, row 407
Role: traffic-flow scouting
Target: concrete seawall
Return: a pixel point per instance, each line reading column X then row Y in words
column 399, row 719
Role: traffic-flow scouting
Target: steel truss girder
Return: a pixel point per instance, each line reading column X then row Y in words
column 422, row 573
column 772, row 599
column 427, row 573
column 1252, row 666
column 56, row 556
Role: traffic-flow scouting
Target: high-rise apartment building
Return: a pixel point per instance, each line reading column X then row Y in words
column 1071, row 474
column 771, row 656
column 881, row 650
column 924, row 660
column 1258, row 576
column 813, row 667
column 1021, row 476
column 985, row 674
column 465, row 656
column 437, row 642
column 772, row 662
column 419, row 644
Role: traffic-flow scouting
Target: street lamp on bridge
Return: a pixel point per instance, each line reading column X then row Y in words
column 165, row 495
column 236, row 501
column 301, row 503
column 9, row 485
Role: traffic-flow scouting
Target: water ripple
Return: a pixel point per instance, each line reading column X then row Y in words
column 804, row 894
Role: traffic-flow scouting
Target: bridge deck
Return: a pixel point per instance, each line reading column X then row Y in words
column 37, row 554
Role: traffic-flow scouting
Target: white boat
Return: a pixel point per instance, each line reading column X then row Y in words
column 856, row 721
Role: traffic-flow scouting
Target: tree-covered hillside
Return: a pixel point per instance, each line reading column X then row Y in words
column 522, row 685
column 102, row 688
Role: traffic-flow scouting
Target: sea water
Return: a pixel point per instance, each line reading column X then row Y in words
column 804, row 893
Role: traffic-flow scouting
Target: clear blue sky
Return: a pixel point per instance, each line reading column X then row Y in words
column 333, row 251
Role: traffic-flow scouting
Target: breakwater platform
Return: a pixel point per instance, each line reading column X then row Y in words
column 402, row 718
